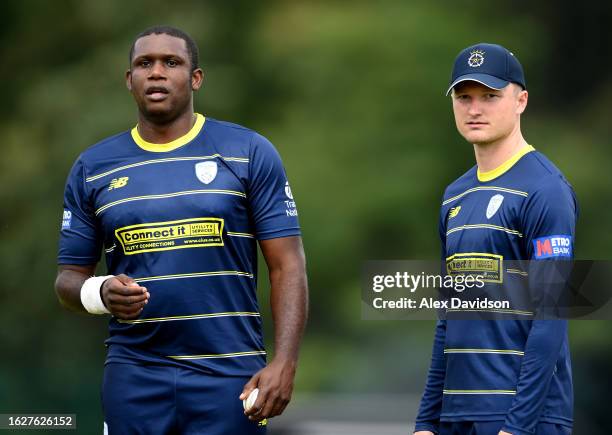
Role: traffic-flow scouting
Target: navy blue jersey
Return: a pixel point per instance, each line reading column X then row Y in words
column 515, row 369
column 183, row 220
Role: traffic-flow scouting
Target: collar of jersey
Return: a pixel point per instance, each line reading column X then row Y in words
column 170, row 146
column 504, row 167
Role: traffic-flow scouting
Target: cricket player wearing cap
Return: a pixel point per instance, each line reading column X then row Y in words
column 511, row 375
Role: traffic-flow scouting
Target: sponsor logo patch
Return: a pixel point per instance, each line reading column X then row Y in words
column 288, row 191
column 66, row 219
column 290, row 203
column 164, row 236
column 489, row 266
column 553, row 246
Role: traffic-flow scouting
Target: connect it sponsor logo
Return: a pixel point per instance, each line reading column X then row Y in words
column 163, row 236
column 489, row 266
column 290, row 204
column 66, row 219
column 553, row 246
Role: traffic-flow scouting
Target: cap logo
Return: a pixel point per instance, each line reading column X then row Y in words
column 476, row 58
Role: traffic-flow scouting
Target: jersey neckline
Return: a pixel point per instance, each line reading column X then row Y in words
column 504, row 167
column 170, row 146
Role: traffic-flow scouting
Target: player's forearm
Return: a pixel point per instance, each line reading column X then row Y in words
column 289, row 302
column 68, row 285
column 428, row 416
column 537, row 367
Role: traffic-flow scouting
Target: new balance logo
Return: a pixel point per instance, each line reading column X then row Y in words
column 116, row 183
column 454, row 212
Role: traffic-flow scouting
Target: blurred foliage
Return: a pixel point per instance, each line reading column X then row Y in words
column 352, row 95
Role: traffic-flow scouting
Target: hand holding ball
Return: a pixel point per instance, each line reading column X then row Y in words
column 250, row 401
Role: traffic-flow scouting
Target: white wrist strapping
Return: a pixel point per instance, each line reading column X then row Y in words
column 90, row 295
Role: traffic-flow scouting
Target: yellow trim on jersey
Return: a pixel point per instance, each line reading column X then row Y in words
column 492, row 310
column 233, row 234
column 498, row 351
column 170, row 146
column 169, row 195
column 193, row 317
column 219, row 355
column 504, row 167
column 475, row 189
column 171, row 159
column 193, row 275
column 518, row 272
column 510, row 392
column 486, row 226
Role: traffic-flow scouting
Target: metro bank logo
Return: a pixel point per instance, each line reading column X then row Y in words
column 553, row 246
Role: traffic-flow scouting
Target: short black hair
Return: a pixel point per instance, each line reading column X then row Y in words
column 192, row 47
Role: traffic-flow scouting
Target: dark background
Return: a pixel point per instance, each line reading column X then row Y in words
column 352, row 95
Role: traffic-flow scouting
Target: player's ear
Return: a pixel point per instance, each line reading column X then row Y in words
column 128, row 80
column 521, row 101
column 197, row 78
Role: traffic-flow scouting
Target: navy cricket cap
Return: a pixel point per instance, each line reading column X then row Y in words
column 490, row 64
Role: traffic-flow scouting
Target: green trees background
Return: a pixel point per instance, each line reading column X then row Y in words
column 352, row 95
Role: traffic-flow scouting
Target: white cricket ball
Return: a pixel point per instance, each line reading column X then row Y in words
column 250, row 401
